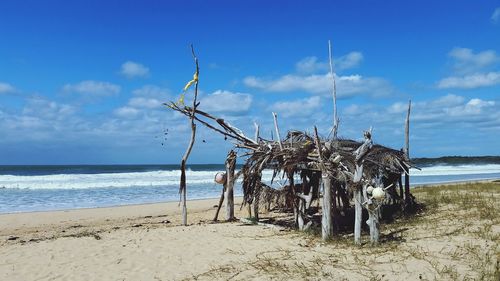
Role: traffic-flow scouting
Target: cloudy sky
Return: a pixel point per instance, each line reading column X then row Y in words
column 83, row 82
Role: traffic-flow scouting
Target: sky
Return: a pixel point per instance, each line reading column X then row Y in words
column 83, row 82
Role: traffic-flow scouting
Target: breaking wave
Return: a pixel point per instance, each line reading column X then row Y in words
column 103, row 180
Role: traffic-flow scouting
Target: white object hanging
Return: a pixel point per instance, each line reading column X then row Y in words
column 220, row 177
column 378, row 193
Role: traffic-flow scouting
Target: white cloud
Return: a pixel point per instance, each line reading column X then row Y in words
column 466, row 61
column 132, row 69
column 309, row 65
column 321, row 84
column 495, row 17
column 46, row 109
column 353, row 109
column 152, row 91
column 126, row 112
column 148, row 103
column 452, row 108
column 6, row 88
column 93, row 88
column 470, row 81
column 398, row 107
column 472, row 107
column 226, row 102
column 40, row 119
column 351, row 60
column 441, row 122
column 302, row 107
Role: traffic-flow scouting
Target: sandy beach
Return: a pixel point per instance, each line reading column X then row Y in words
column 146, row 242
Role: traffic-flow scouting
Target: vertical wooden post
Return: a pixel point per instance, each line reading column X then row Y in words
column 372, row 206
column 327, row 217
column 256, row 197
column 256, row 200
column 275, row 117
column 374, row 225
column 407, row 153
column 256, row 132
column 229, row 191
column 358, row 209
column 360, row 153
column 221, row 200
column 334, row 92
column 400, row 183
column 183, row 185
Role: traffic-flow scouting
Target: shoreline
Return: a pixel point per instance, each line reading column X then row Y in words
column 135, row 211
column 103, row 215
column 444, row 183
column 112, row 206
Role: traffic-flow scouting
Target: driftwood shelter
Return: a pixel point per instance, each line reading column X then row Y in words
column 343, row 174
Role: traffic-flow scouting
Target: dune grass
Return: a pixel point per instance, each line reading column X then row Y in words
column 455, row 236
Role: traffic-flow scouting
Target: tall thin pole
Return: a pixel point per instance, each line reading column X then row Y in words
column 407, row 131
column 407, row 154
column 182, row 187
column 334, row 91
column 275, row 117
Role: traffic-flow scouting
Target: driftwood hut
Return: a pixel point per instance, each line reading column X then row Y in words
column 345, row 174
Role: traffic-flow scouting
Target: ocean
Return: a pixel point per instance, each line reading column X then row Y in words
column 42, row 188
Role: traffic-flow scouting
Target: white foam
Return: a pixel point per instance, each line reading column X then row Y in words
column 117, row 180
column 171, row 178
column 444, row 170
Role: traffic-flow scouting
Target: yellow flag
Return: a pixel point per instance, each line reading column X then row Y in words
column 190, row 83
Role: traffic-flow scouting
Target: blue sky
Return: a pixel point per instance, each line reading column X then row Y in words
column 82, row 82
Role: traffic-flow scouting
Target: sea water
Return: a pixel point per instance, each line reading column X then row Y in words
column 40, row 188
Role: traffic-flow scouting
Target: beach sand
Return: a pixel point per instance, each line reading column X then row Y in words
column 447, row 241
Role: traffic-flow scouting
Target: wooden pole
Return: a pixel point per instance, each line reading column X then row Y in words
column 182, row 188
column 371, row 206
column 229, row 192
column 358, row 210
column 407, row 131
column 256, row 199
column 221, row 200
column 327, row 216
column 373, row 222
column 275, row 117
column 407, row 153
column 401, row 192
column 360, row 153
column 256, row 132
column 334, row 92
